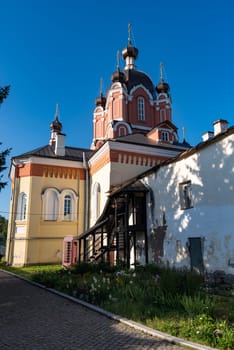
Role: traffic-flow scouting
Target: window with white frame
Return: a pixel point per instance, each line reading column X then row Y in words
column 185, row 192
column 141, row 108
column 59, row 206
column 165, row 136
column 22, row 207
column 96, row 200
column 67, row 207
column 50, row 199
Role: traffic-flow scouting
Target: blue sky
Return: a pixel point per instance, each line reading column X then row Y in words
column 56, row 51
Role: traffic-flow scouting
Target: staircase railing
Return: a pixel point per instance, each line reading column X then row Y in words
column 95, row 245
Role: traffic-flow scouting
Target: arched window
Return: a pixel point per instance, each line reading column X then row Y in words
column 50, row 206
column 22, row 206
column 68, row 205
column 162, row 115
column 122, row 131
column 96, row 201
column 141, row 108
column 59, row 206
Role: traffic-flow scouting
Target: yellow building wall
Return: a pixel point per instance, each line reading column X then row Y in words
column 37, row 226
column 35, row 240
column 45, row 251
column 19, row 252
column 16, row 250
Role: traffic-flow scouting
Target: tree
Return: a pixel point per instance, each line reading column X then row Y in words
column 3, row 230
column 3, row 167
column 4, row 91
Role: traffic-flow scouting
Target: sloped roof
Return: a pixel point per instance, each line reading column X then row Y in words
column 71, row 153
column 141, row 139
column 118, row 188
column 167, row 124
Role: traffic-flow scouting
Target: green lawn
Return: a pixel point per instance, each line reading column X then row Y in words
column 28, row 271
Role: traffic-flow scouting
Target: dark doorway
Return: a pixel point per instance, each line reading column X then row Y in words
column 195, row 248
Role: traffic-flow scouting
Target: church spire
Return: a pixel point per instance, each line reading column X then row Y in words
column 101, row 100
column 161, row 71
column 56, row 112
column 118, row 76
column 118, row 60
column 55, row 126
column 129, row 34
column 101, row 82
column 162, row 86
column 130, row 52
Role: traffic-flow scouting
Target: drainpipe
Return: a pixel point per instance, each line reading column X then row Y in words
column 86, row 212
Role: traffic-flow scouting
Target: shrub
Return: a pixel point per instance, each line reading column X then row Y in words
column 166, row 299
column 224, row 336
column 197, row 304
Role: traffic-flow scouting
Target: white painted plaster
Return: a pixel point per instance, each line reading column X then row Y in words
column 211, row 218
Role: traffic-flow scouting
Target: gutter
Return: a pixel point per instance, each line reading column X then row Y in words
column 86, row 212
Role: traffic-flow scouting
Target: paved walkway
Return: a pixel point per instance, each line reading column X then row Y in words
column 36, row 319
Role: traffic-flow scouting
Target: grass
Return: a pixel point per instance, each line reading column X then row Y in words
column 172, row 301
column 28, row 271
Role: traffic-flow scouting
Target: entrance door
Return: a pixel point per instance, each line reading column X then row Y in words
column 196, row 255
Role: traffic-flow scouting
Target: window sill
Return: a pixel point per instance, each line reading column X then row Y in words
column 57, row 221
column 186, row 208
column 20, row 222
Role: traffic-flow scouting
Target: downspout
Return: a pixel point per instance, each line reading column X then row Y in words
column 86, row 212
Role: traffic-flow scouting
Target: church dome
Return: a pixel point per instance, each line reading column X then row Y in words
column 56, row 126
column 135, row 77
column 162, row 87
column 130, row 51
column 100, row 101
column 118, row 76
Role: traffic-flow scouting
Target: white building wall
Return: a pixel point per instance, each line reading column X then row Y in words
column 122, row 172
column 211, row 172
column 101, row 177
column 110, row 175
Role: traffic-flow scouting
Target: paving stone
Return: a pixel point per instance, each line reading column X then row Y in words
column 35, row 319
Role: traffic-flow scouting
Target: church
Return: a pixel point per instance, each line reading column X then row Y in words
column 108, row 203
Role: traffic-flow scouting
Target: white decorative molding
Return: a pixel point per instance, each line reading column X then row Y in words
column 141, row 127
column 55, row 162
column 144, row 88
column 121, row 122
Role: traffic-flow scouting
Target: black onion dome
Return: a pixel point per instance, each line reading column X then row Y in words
column 130, row 51
column 118, row 76
column 100, row 101
column 162, row 87
column 135, row 77
column 56, row 125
